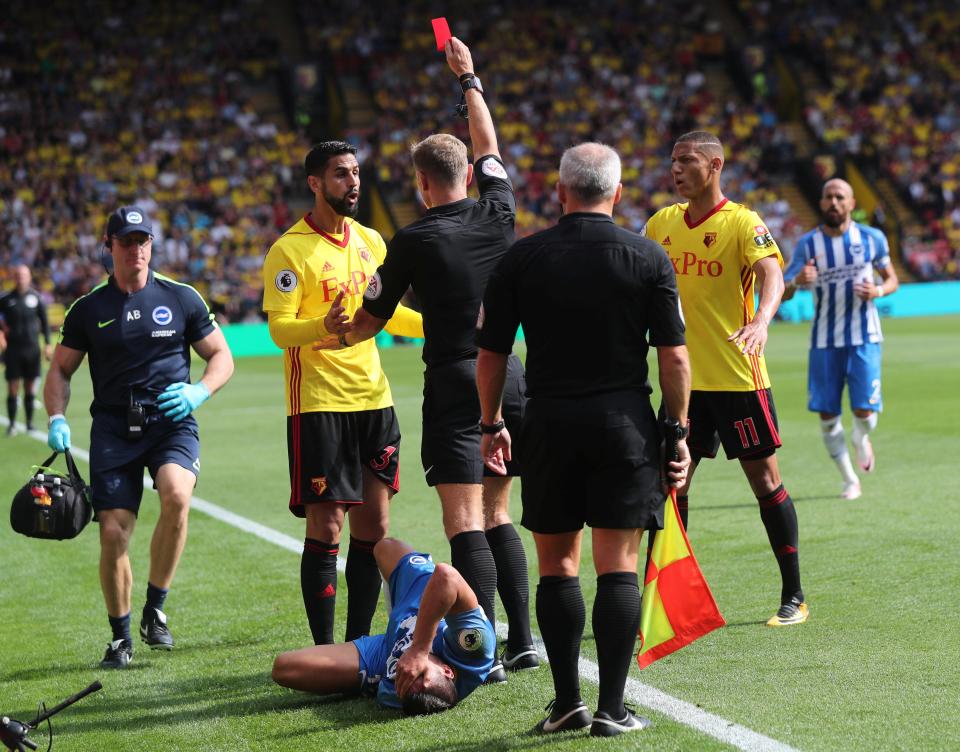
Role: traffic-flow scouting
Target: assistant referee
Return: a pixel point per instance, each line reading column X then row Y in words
column 592, row 298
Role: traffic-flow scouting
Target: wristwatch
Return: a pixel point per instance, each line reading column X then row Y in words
column 470, row 81
column 672, row 430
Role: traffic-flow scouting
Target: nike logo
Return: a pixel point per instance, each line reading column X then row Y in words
column 101, row 324
column 550, row 725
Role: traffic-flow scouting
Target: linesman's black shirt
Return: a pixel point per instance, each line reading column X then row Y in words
column 137, row 343
column 447, row 256
column 24, row 319
column 590, row 296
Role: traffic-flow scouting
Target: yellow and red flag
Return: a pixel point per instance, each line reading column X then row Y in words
column 678, row 606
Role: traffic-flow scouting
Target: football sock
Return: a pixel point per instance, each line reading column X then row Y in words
column 318, row 583
column 512, row 582
column 861, row 430
column 28, row 409
column 780, row 519
column 616, row 619
column 561, row 615
column 363, row 587
column 120, row 626
column 471, row 557
column 155, row 597
column 11, row 409
column 836, row 442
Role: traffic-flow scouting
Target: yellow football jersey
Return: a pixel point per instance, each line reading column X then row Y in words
column 302, row 274
column 713, row 260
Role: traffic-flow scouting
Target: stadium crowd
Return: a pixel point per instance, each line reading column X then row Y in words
column 632, row 78
column 104, row 105
column 890, row 94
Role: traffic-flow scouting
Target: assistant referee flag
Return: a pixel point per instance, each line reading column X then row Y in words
column 678, row 606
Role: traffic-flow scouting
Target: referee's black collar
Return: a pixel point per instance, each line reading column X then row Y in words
column 453, row 207
column 593, row 216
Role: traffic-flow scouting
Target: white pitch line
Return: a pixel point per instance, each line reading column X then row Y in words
column 642, row 694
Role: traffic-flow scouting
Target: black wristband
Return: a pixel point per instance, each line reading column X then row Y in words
column 342, row 339
column 492, row 427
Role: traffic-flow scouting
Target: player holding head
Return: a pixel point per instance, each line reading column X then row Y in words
column 723, row 255
column 447, row 257
column 437, row 649
column 838, row 260
column 343, row 440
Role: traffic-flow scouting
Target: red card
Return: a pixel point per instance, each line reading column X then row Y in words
column 441, row 30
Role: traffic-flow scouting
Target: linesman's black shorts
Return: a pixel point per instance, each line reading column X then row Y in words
column 21, row 363
column 117, row 463
column 744, row 422
column 450, row 444
column 328, row 451
column 593, row 461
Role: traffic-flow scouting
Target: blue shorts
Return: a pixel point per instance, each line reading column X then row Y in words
column 830, row 367
column 117, row 463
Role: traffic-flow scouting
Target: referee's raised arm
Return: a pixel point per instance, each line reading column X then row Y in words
column 483, row 137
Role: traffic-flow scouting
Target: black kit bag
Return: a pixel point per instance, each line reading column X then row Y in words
column 51, row 505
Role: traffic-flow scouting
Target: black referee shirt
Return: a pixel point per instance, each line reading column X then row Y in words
column 138, row 343
column 447, row 256
column 24, row 318
column 590, row 296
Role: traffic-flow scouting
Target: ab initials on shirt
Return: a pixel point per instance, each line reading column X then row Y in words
column 133, row 315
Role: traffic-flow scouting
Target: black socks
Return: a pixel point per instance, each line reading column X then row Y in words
column 512, row 583
column 318, row 582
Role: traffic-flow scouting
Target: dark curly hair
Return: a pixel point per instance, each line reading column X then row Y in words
column 318, row 156
column 441, row 697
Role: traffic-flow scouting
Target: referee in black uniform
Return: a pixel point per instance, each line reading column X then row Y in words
column 138, row 328
column 447, row 257
column 23, row 318
column 592, row 298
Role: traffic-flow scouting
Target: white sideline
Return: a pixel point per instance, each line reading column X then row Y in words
column 637, row 692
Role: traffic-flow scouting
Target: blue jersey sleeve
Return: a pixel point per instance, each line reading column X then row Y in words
column 468, row 643
column 73, row 332
column 199, row 319
column 798, row 259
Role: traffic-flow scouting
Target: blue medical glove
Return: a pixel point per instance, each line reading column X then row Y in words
column 178, row 400
column 58, row 435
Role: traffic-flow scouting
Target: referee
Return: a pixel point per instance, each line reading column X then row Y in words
column 23, row 318
column 590, row 437
column 447, row 257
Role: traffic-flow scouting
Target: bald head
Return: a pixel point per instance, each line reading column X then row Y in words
column 837, row 204
column 590, row 176
column 22, row 277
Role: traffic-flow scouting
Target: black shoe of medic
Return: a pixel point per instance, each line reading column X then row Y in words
column 497, row 675
column 119, row 654
column 572, row 719
column 604, row 725
column 524, row 658
column 154, row 631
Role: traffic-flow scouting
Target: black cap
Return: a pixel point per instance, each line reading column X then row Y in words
column 128, row 219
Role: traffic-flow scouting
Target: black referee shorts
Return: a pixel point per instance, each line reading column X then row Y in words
column 450, row 446
column 593, row 461
column 21, row 363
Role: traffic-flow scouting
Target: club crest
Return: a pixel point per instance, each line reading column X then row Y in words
column 709, row 238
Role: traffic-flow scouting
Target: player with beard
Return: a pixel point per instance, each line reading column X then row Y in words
column 343, row 440
column 838, row 261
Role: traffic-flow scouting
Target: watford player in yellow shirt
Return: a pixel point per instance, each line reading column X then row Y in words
column 343, row 440
column 723, row 255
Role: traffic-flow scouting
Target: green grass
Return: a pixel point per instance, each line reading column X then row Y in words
column 874, row 668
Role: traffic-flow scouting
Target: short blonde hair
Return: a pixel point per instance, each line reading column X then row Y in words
column 442, row 157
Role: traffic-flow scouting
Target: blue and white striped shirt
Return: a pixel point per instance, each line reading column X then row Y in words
column 841, row 318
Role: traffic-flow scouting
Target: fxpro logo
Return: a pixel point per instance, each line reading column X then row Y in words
column 689, row 264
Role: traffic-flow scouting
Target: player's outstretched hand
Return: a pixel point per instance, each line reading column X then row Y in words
column 752, row 338
column 458, row 57
column 178, row 400
column 328, row 343
column 336, row 321
column 495, row 450
column 411, row 666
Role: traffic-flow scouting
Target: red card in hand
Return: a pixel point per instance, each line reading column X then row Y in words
column 441, row 30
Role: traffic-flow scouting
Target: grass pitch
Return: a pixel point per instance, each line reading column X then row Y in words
column 874, row 668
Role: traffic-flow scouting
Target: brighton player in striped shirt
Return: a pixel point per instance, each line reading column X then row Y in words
column 841, row 260
column 343, row 441
column 722, row 254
